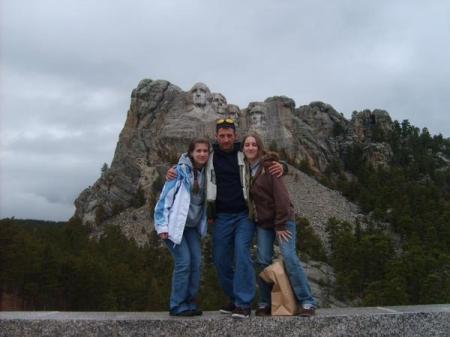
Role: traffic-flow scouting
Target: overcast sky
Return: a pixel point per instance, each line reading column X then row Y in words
column 68, row 69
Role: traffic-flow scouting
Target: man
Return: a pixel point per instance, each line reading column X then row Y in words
column 233, row 230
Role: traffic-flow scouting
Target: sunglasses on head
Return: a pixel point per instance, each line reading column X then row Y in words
column 225, row 121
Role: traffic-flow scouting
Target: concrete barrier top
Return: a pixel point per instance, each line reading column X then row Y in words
column 425, row 320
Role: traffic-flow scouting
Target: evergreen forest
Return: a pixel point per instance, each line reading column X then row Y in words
column 400, row 257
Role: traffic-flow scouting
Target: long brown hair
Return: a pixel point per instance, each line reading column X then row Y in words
column 259, row 142
column 191, row 148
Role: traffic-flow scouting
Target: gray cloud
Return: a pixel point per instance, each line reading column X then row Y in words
column 68, row 68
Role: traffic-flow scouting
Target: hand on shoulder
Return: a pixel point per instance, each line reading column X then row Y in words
column 172, row 173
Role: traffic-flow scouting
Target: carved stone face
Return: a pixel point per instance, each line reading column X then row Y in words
column 257, row 117
column 233, row 111
column 219, row 102
column 200, row 94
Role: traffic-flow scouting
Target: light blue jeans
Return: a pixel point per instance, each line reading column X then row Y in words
column 186, row 272
column 232, row 239
column 296, row 274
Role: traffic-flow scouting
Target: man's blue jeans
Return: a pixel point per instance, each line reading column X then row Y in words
column 294, row 269
column 186, row 272
column 232, row 239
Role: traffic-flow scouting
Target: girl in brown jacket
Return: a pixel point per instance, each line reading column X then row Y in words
column 272, row 210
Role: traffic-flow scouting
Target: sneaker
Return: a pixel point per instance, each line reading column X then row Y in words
column 197, row 312
column 307, row 312
column 241, row 313
column 228, row 308
column 264, row 311
column 185, row 313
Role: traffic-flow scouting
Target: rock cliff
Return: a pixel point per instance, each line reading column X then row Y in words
column 163, row 118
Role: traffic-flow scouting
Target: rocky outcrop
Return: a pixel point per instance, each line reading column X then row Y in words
column 160, row 122
column 163, row 118
column 323, row 131
column 322, row 280
column 366, row 124
column 318, row 203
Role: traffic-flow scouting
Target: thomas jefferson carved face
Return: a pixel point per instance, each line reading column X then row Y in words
column 219, row 102
column 200, row 94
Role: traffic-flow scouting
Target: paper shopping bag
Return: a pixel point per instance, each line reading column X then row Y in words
column 283, row 299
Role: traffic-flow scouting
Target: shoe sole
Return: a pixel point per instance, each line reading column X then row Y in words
column 222, row 311
column 306, row 314
column 239, row 316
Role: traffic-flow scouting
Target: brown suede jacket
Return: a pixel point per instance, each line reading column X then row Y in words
column 271, row 200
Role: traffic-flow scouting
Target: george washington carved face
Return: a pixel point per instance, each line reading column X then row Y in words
column 200, row 94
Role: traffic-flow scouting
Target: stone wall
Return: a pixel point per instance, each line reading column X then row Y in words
column 414, row 321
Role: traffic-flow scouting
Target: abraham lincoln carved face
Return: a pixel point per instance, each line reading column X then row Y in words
column 257, row 115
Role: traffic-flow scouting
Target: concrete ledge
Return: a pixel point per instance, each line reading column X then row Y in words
column 429, row 320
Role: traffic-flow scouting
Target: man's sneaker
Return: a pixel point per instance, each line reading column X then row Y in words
column 197, row 312
column 264, row 311
column 241, row 313
column 185, row 313
column 228, row 308
column 307, row 312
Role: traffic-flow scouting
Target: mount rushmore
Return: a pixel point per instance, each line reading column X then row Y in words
column 163, row 118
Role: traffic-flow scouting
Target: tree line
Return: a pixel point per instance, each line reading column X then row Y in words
column 403, row 256
column 58, row 267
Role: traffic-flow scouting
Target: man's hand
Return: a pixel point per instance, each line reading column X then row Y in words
column 171, row 174
column 164, row 236
column 276, row 169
